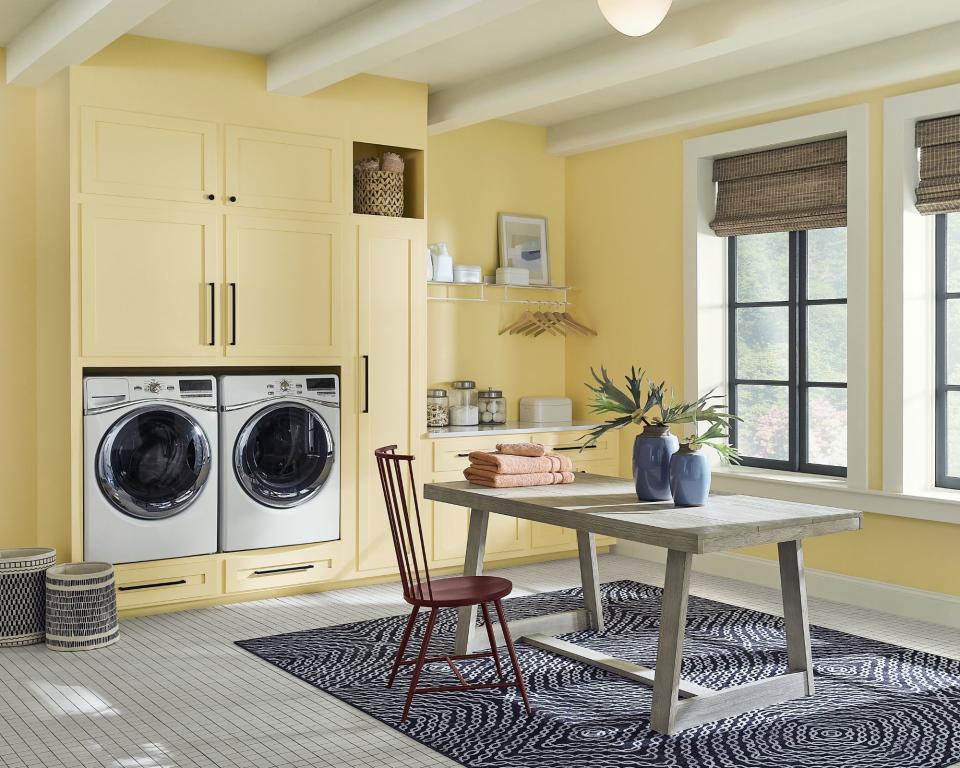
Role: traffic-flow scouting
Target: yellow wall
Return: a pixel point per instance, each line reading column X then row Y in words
column 17, row 303
column 624, row 236
column 472, row 175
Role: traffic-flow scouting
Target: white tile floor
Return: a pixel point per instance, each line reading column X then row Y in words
column 175, row 691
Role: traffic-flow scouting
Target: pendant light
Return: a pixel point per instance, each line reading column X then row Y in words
column 634, row 17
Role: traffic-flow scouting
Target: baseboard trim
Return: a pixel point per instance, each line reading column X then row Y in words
column 906, row 602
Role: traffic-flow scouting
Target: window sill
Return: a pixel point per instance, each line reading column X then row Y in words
column 940, row 505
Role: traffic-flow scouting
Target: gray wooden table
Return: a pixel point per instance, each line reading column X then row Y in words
column 607, row 505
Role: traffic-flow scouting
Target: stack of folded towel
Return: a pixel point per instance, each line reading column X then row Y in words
column 516, row 465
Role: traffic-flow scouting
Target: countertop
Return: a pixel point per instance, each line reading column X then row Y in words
column 511, row 428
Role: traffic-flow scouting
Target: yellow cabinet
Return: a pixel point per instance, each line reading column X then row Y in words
column 392, row 301
column 283, row 170
column 148, row 156
column 149, row 282
column 284, row 288
column 506, row 536
column 276, row 568
column 143, row 585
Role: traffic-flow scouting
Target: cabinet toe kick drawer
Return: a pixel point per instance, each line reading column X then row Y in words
column 274, row 571
column 139, row 586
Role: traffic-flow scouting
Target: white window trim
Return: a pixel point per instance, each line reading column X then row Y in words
column 909, row 300
column 704, row 288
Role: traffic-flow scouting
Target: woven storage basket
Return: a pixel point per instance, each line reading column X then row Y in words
column 378, row 192
column 81, row 607
column 22, row 594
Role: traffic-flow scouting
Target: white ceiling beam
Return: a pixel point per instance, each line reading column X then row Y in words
column 902, row 59
column 691, row 46
column 70, row 32
column 376, row 36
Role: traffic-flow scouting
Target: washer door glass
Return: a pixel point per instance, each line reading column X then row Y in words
column 284, row 454
column 154, row 462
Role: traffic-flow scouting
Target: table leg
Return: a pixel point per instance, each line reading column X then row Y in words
column 673, row 617
column 590, row 578
column 795, row 616
column 472, row 566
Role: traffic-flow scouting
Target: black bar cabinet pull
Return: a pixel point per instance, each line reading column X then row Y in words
column 176, row 583
column 290, row 569
column 574, row 447
column 366, row 383
column 213, row 314
column 233, row 314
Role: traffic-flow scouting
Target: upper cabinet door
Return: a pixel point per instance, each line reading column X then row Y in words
column 149, row 282
column 284, row 289
column 148, row 156
column 283, row 171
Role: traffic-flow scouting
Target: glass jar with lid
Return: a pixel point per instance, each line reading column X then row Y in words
column 463, row 404
column 492, row 405
column 437, row 405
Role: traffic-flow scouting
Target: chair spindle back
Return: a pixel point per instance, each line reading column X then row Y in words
column 406, row 527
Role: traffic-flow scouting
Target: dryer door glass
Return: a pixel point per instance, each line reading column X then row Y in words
column 153, row 462
column 284, row 454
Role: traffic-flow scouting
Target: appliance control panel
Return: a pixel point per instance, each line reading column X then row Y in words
column 110, row 391
column 320, row 387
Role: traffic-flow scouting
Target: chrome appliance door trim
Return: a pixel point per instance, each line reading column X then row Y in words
column 123, row 500
column 254, row 488
column 144, row 403
column 278, row 399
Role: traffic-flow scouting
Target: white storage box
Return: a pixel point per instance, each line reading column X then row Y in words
column 546, row 410
column 513, row 276
column 467, row 273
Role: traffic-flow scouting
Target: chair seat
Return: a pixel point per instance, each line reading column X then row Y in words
column 458, row 591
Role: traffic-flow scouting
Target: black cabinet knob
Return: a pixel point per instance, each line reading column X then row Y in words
column 211, row 197
column 232, row 198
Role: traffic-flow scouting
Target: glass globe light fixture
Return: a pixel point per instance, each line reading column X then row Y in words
column 634, row 17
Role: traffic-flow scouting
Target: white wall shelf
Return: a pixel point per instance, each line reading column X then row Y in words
column 496, row 292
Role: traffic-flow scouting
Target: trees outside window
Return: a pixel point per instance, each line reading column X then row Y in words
column 948, row 350
column 788, row 349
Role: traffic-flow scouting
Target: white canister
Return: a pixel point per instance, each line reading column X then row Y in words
column 442, row 264
column 467, row 273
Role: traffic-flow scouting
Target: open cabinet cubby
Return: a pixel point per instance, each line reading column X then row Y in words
column 413, row 174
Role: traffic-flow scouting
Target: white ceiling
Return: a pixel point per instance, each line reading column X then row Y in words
column 550, row 62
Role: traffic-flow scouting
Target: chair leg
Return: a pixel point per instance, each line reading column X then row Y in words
column 513, row 655
column 418, row 667
column 403, row 645
column 492, row 639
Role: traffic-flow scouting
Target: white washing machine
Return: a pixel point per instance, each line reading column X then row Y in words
column 280, row 478
column 150, row 453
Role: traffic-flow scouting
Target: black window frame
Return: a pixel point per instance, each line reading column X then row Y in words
column 797, row 384
column 943, row 480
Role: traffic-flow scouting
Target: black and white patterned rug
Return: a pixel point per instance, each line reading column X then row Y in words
column 876, row 706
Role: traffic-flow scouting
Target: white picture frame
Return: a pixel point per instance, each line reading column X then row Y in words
column 523, row 244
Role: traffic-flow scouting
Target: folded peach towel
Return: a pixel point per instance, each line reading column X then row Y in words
column 521, row 449
column 507, row 464
column 496, row 480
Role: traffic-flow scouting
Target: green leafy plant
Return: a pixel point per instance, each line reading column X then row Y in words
column 658, row 409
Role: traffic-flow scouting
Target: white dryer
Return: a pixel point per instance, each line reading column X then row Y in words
column 150, row 467
column 280, row 478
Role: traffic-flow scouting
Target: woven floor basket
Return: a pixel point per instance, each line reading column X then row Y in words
column 378, row 192
column 22, row 594
column 81, row 607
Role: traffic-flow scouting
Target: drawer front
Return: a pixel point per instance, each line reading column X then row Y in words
column 450, row 454
column 569, row 443
column 172, row 581
column 277, row 568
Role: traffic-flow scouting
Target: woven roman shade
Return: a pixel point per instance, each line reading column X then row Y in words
column 781, row 190
column 939, row 144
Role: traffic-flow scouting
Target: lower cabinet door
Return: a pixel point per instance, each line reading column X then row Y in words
column 144, row 585
column 506, row 536
column 274, row 569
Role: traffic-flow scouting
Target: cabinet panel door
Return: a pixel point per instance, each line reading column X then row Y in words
column 284, row 288
column 149, row 156
column 149, row 282
column 392, row 301
column 506, row 536
column 284, row 171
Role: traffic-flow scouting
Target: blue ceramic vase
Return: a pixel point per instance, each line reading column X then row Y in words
column 652, row 450
column 689, row 477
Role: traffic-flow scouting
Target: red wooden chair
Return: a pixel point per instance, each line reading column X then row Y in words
column 423, row 592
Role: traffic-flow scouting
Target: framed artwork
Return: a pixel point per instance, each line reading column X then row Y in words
column 523, row 244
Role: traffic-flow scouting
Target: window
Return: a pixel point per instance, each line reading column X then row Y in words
column 948, row 350
column 787, row 344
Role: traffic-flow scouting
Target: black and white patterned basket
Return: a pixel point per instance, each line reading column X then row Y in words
column 22, row 594
column 81, row 607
